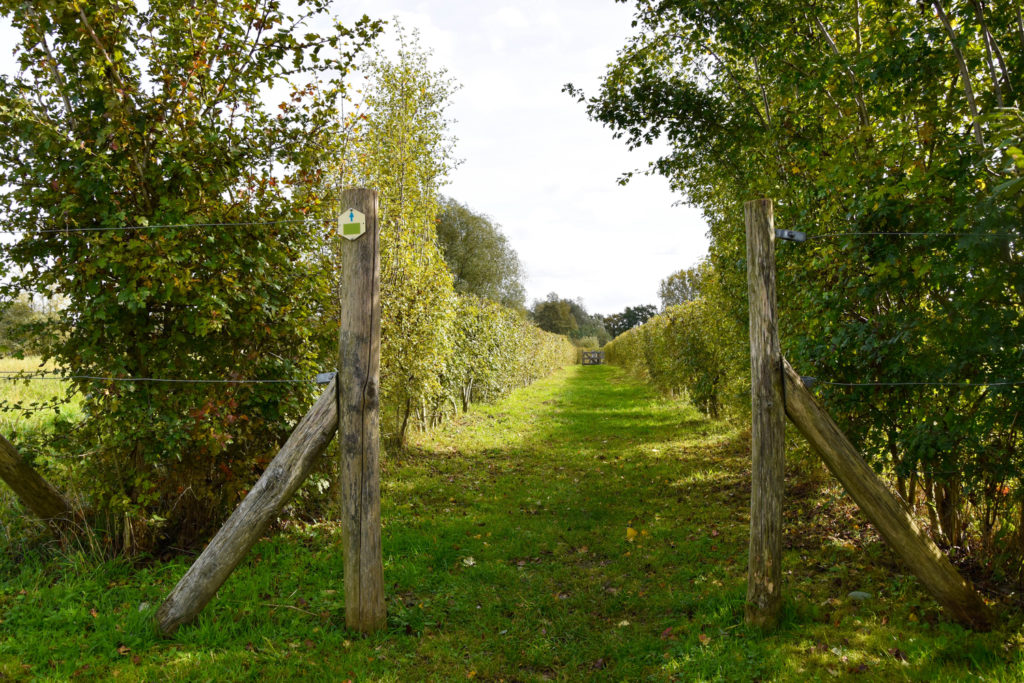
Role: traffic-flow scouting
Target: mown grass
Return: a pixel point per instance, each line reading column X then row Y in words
column 583, row 529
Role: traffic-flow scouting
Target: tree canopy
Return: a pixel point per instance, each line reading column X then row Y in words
column 478, row 255
column 121, row 122
column 569, row 317
column 630, row 317
column 680, row 287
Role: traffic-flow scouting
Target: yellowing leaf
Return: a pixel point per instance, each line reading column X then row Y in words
column 630, row 534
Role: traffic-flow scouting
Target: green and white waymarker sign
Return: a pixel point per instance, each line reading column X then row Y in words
column 352, row 224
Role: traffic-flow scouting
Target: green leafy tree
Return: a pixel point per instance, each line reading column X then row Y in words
column 680, row 287
column 556, row 317
column 20, row 323
column 122, row 120
column 481, row 260
column 631, row 317
column 401, row 146
column 569, row 317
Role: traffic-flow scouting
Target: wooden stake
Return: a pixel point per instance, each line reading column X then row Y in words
column 359, row 410
column 768, row 421
column 282, row 478
column 37, row 494
column 880, row 506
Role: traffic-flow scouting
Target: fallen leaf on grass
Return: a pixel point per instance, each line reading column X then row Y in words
column 123, row 649
column 630, row 534
column 704, row 638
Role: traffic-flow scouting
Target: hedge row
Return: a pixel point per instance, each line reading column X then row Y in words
column 690, row 349
column 493, row 350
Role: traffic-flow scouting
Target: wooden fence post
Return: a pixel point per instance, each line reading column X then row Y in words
column 768, row 421
column 359, row 417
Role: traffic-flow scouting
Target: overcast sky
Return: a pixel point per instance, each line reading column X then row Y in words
column 531, row 158
column 536, row 164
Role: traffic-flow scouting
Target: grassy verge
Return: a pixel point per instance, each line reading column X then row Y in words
column 583, row 529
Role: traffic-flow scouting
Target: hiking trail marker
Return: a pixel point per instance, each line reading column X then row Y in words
column 352, row 224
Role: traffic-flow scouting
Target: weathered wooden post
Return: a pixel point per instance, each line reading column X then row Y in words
column 37, row 494
column 768, row 421
column 280, row 480
column 359, row 411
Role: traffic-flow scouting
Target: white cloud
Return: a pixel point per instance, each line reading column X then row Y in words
column 510, row 18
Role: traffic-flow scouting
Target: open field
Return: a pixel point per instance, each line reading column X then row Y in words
column 25, row 392
column 583, row 529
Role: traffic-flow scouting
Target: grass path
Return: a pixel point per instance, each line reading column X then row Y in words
column 584, row 529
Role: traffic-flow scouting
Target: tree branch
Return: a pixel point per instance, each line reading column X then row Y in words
column 964, row 73
column 861, row 107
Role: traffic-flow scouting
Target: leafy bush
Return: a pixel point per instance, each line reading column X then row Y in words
column 694, row 348
column 121, row 119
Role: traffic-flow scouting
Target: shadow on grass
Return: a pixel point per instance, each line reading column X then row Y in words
column 581, row 530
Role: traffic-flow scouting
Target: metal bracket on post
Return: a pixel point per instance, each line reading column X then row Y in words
column 790, row 235
column 325, row 377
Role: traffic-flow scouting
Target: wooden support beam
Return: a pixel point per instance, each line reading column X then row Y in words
column 283, row 475
column 359, row 428
column 768, row 421
column 880, row 506
column 35, row 493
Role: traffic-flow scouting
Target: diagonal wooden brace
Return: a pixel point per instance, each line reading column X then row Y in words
column 280, row 480
column 37, row 494
column 879, row 505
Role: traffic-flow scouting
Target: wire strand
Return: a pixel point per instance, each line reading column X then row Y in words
column 51, row 231
column 921, row 384
column 11, row 376
column 829, row 235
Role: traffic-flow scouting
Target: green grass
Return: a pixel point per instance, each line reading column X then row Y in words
column 14, row 423
column 583, row 529
column 26, row 420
